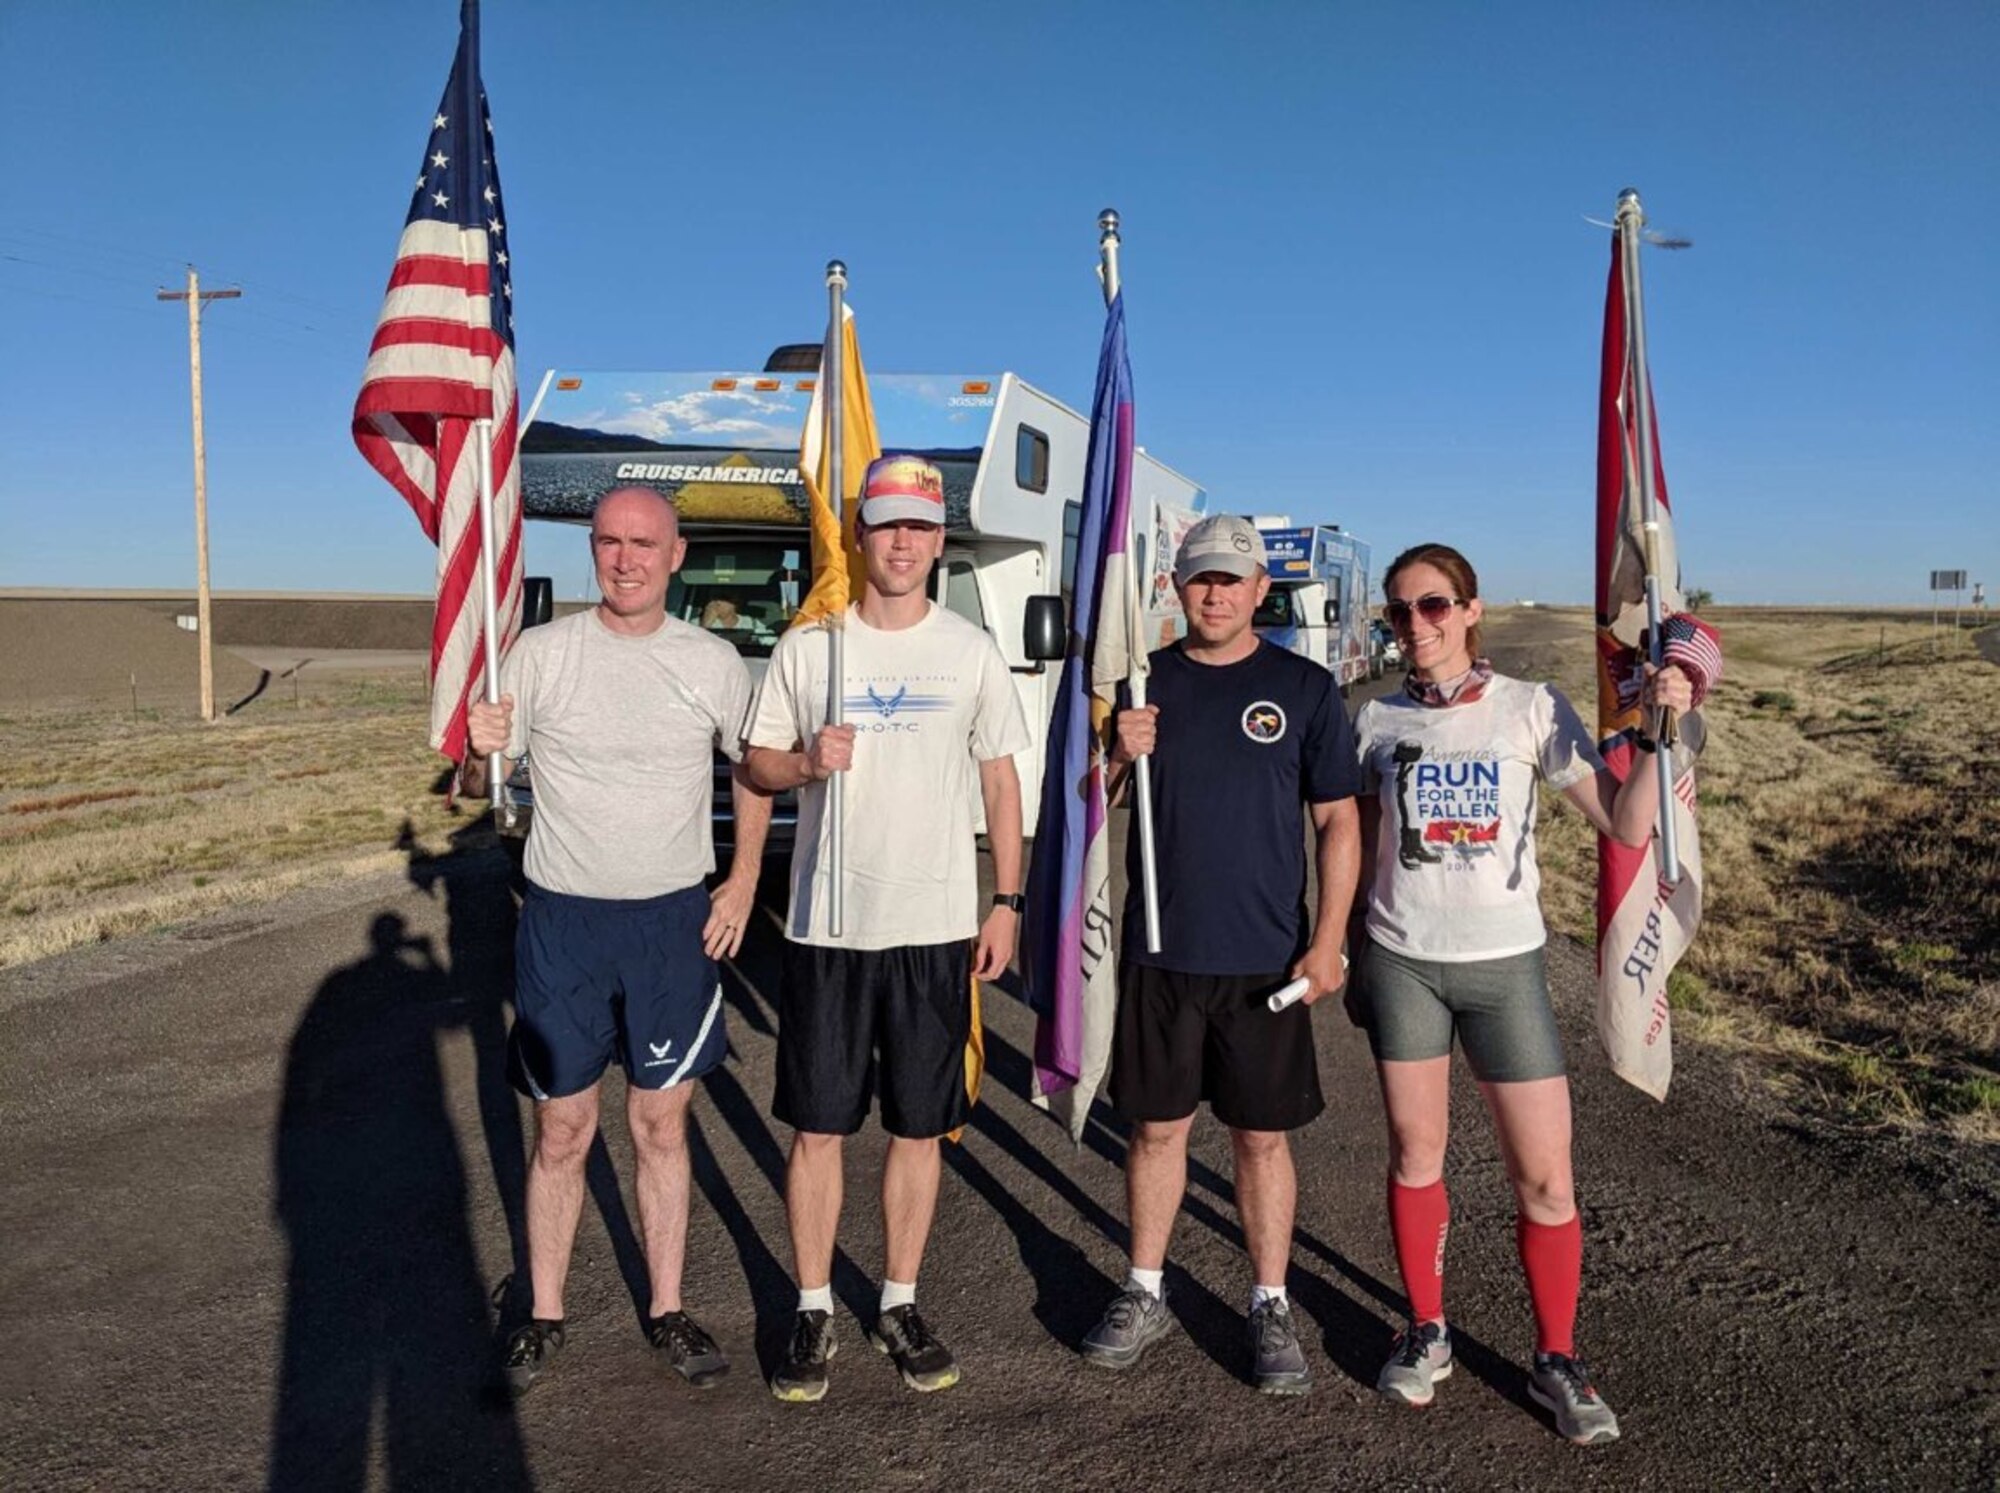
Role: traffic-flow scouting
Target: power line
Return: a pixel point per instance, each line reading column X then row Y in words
column 27, row 236
column 57, row 295
column 114, row 251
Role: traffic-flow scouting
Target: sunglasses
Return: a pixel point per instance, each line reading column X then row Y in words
column 1433, row 608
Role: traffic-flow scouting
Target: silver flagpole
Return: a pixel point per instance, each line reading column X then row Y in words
column 482, row 435
column 1137, row 665
column 1631, row 219
column 831, row 363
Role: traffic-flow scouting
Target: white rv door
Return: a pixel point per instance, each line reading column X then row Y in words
column 957, row 590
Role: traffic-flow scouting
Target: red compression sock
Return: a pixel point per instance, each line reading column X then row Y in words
column 1419, row 1218
column 1552, row 1256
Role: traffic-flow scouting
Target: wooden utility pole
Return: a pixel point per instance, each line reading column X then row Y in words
column 194, row 295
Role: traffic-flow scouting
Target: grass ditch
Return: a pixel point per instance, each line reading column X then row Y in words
column 1850, row 803
column 111, row 826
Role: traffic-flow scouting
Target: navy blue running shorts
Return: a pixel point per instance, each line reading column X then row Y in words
column 597, row 978
column 854, row 1020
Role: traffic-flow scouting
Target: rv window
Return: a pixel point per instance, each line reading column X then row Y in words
column 1072, row 526
column 1031, row 459
column 961, row 593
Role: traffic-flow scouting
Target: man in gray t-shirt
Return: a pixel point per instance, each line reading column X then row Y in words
column 622, row 709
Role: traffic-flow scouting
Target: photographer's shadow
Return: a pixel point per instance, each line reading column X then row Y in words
column 387, row 1333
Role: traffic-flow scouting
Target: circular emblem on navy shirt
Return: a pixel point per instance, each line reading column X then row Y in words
column 1264, row 722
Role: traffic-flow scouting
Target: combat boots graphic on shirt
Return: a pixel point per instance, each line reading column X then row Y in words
column 1453, row 805
column 1410, row 848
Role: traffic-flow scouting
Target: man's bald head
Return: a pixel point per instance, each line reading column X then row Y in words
column 634, row 501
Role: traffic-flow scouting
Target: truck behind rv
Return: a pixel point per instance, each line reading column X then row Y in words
column 1318, row 601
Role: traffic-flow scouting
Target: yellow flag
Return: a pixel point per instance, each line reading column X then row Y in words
column 836, row 580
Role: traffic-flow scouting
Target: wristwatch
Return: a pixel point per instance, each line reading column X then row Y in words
column 1012, row 901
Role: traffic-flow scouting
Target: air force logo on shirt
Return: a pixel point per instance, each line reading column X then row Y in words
column 880, row 708
column 1264, row 722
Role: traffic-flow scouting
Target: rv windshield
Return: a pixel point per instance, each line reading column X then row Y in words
column 742, row 590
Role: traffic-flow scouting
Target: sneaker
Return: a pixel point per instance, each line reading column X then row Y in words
column 1134, row 1320
column 1562, row 1385
column 1420, row 1356
column 1277, row 1362
column 530, row 1351
column 926, row 1363
column 688, row 1350
column 801, row 1378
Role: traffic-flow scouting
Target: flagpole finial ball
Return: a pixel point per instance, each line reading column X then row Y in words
column 1108, row 220
column 1630, row 194
column 835, row 270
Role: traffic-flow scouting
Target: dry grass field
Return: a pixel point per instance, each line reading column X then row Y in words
column 1850, row 806
column 113, row 822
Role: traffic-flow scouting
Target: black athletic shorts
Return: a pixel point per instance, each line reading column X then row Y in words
column 1184, row 1038
column 845, row 1015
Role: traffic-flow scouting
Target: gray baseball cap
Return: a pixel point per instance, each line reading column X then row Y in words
column 1223, row 542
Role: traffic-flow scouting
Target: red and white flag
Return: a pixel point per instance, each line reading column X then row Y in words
column 442, row 361
column 1643, row 925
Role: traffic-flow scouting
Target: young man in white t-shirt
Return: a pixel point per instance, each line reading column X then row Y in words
column 931, row 711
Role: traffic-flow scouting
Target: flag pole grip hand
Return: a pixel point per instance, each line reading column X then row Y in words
column 1668, row 692
column 830, row 751
column 1134, row 733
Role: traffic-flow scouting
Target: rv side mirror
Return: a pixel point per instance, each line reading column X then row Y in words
column 1043, row 630
column 1333, row 614
column 538, row 600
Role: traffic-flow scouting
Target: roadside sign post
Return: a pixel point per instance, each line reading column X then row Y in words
column 1941, row 581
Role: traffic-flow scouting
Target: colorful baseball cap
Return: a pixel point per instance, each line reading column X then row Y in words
column 902, row 488
column 1223, row 542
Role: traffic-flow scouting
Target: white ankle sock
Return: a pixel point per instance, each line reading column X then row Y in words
column 1261, row 1294
column 897, row 1293
column 818, row 1299
column 1152, row 1282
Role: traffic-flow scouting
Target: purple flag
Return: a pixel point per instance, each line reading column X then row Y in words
column 1067, row 958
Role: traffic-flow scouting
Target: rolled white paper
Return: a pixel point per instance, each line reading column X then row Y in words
column 1293, row 992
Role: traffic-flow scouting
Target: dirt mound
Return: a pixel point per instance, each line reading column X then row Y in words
column 310, row 622
column 69, row 653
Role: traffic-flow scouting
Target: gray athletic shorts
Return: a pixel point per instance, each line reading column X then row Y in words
column 1499, row 1008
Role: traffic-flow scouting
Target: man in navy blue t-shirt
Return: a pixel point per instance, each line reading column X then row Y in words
column 1249, row 744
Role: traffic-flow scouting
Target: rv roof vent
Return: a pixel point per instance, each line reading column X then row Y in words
column 794, row 357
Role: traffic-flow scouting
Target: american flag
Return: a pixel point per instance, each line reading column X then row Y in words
column 443, row 358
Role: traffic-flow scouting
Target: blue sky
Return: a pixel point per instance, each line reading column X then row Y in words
column 1360, row 285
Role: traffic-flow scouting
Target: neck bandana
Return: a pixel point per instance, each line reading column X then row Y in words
column 1463, row 690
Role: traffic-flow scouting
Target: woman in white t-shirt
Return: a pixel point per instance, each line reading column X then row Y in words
column 1451, row 945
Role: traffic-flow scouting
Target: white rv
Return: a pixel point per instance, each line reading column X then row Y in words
column 724, row 447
